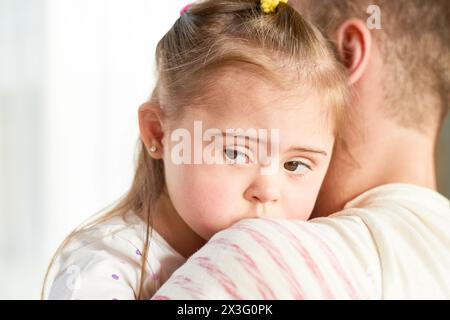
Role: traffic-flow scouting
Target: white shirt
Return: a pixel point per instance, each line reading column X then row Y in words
column 392, row 242
column 104, row 262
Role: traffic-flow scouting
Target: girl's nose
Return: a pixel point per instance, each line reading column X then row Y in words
column 263, row 190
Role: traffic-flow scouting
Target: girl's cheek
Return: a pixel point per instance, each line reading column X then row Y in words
column 300, row 204
column 210, row 202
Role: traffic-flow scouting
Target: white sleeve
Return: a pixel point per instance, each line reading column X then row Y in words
column 333, row 258
column 97, row 271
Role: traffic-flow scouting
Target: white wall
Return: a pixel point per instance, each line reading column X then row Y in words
column 22, row 219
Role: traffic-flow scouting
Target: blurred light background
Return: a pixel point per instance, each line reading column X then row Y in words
column 72, row 76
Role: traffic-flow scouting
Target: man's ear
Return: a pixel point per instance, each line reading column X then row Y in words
column 151, row 128
column 354, row 43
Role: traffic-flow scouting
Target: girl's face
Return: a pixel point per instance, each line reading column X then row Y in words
column 237, row 184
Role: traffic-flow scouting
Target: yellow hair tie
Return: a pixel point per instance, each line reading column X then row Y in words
column 269, row 6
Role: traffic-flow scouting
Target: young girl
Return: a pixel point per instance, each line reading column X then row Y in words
column 225, row 68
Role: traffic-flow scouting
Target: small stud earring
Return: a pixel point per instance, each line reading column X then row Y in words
column 153, row 148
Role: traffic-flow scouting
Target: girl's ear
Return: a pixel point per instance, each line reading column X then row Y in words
column 151, row 128
column 354, row 42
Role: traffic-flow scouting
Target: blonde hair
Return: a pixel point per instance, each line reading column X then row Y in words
column 210, row 35
column 415, row 45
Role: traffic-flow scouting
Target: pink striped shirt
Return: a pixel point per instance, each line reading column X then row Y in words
column 390, row 243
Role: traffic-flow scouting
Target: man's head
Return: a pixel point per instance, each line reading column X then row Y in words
column 415, row 45
column 400, row 76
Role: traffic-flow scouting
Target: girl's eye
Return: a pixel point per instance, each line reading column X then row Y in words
column 297, row 167
column 236, row 157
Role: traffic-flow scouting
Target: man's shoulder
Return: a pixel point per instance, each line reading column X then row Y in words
column 401, row 194
column 400, row 207
column 409, row 228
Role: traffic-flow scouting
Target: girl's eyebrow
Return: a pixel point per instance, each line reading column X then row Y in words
column 306, row 149
column 309, row 150
column 249, row 137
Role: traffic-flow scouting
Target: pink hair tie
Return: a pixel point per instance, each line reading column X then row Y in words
column 185, row 9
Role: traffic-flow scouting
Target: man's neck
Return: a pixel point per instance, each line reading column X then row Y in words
column 412, row 159
column 386, row 154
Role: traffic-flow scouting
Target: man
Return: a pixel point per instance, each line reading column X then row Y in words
column 386, row 236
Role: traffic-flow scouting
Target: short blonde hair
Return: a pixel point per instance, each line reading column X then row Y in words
column 415, row 43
